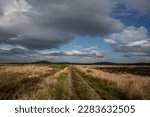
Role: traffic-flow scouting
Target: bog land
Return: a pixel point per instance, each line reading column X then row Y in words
column 74, row 82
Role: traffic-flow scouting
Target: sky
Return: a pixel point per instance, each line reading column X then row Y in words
column 81, row 31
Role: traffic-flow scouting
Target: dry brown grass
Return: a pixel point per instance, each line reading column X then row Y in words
column 23, row 81
column 133, row 86
column 28, row 69
column 52, row 84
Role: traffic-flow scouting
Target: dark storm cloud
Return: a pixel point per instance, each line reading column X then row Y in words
column 15, row 55
column 14, row 51
column 136, row 48
column 1, row 13
column 41, row 24
column 82, row 17
column 40, row 43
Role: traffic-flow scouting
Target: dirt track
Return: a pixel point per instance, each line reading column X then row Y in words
column 79, row 88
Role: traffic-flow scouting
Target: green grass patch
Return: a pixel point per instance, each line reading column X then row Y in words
column 57, row 91
column 104, row 88
column 80, row 90
column 60, row 90
column 58, row 66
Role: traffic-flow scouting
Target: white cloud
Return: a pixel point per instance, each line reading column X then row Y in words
column 136, row 43
column 90, row 48
column 16, row 7
column 74, row 53
column 92, row 53
column 86, row 52
column 131, row 34
column 110, row 41
column 131, row 41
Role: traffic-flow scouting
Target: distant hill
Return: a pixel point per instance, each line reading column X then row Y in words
column 41, row 62
column 140, row 64
column 97, row 63
column 104, row 63
column 110, row 63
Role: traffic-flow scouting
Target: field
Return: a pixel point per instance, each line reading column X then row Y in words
column 74, row 82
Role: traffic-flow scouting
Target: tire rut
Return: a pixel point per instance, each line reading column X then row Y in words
column 79, row 88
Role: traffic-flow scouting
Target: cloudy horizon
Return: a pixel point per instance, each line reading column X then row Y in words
column 84, row 31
